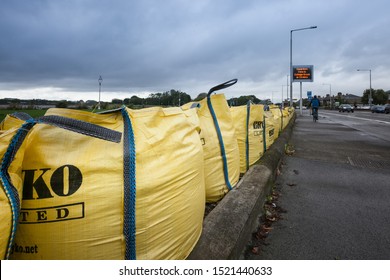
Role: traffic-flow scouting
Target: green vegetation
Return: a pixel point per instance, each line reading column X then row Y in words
column 34, row 107
column 243, row 100
column 379, row 96
column 168, row 98
column 32, row 112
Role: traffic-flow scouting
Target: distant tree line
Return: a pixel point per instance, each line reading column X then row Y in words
column 244, row 99
column 379, row 96
column 174, row 97
column 16, row 101
column 168, row 98
column 165, row 99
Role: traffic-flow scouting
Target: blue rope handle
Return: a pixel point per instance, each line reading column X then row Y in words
column 129, row 165
column 222, row 86
column 248, row 112
column 9, row 189
column 264, row 134
column 281, row 116
column 218, row 130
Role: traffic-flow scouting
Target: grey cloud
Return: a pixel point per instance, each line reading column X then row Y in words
column 163, row 44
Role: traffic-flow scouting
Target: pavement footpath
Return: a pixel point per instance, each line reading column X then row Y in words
column 332, row 191
column 228, row 228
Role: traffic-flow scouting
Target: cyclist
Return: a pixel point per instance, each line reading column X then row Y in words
column 315, row 104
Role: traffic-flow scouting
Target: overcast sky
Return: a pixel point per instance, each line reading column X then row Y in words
column 57, row 49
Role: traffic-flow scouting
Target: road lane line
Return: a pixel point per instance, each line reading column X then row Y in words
column 359, row 118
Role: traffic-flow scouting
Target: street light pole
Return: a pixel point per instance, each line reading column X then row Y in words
column 100, row 86
column 287, row 85
column 291, row 68
column 370, row 98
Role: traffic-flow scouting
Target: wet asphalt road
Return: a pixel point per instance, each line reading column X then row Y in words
column 335, row 189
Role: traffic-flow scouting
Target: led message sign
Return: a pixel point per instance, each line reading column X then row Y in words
column 302, row 73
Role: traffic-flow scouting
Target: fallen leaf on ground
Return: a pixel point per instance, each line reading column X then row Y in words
column 289, row 149
column 267, row 228
column 256, row 250
column 261, row 235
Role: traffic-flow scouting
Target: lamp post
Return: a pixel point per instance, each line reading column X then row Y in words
column 287, row 85
column 291, row 70
column 330, row 94
column 100, row 80
column 370, row 97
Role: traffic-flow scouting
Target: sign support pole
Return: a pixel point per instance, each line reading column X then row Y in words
column 300, row 101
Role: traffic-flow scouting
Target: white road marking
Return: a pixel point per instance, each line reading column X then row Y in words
column 358, row 118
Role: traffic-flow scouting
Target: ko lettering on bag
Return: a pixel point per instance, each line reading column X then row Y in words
column 257, row 125
column 44, row 183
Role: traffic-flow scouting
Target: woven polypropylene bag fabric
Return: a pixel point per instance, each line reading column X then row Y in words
column 11, row 185
column 287, row 114
column 269, row 129
column 278, row 120
column 248, row 122
column 170, row 182
column 221, row 152
column 9, row 122
column 140, row 199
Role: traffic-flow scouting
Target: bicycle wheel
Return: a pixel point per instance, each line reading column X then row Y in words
column 315, row 115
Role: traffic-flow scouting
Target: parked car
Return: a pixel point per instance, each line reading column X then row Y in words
column 387, row 108
column 345, row 108
column 378, row 109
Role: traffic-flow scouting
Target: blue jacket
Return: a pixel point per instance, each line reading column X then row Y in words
column 315, row 103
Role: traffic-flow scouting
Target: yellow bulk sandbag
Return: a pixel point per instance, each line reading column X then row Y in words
column 290, row 113
column 269, row 129
column 12, row 150
column 278, row 120
column 11, row 185
column 248, row 122
column 13, row 120
column 140, row 199
column 170, row 182
column 220, row 147
column 9, row 122
column 286, row 117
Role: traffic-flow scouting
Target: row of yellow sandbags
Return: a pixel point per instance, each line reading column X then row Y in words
column 257, row 129
column 66, row 194
column 127, row 184
column 234, row 138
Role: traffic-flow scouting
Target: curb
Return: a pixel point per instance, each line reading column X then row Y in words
column 228, row 228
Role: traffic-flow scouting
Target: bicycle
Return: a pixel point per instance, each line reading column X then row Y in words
column 315, row 114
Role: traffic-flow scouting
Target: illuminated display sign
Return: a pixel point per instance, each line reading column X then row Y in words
column 302, row 73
